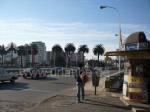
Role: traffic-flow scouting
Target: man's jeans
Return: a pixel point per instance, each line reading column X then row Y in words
column 80, row 88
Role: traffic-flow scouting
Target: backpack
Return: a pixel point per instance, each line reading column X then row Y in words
column 85, row 78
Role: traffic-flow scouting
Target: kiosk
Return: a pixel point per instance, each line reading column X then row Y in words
column 136, row 54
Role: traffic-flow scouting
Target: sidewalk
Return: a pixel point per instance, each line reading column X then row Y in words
column 66, row 101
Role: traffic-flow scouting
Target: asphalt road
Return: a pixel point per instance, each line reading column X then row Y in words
column 34, row 90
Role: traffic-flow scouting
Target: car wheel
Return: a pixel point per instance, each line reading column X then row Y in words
column 12, row 80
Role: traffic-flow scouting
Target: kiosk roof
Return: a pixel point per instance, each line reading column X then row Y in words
column 125, row 53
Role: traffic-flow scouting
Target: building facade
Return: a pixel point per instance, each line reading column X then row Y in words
column 40, row 58
column 49, row 57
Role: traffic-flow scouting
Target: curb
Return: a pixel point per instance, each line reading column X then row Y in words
column 133, row 108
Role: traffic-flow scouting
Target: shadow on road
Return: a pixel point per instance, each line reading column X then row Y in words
column 13, row 86
column 99, row 103
column 43, row 79
column 61, row 83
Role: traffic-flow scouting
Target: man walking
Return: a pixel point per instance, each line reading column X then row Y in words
column 80, row 86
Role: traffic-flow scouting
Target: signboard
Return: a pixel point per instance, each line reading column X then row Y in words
column 136, row 46
column 136, row 86
column 132, row 46
column 125, row 88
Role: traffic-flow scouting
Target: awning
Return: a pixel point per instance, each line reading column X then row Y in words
column 125, row 53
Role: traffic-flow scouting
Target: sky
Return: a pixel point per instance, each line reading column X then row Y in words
column 72, row 21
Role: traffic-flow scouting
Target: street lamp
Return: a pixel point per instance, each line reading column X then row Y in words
column 120, row 42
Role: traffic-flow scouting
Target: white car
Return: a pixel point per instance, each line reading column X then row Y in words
column 5, row 76
column 34, row 73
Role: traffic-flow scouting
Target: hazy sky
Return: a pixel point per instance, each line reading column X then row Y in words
column 71, row 21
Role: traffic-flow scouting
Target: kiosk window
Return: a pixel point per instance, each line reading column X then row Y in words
column 137, row 70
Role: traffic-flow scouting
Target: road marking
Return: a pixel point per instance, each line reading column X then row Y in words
column 36, row 90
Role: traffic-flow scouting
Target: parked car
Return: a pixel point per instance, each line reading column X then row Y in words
column 5, row 76
column 34, row 73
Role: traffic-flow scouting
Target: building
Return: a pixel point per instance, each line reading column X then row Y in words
column 49, row 57
column 40, row 58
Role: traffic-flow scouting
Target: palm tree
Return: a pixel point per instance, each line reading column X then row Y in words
column 27, row 55
column 33, row 50
column 83, row 49
column 98, row 50
column 108, row 61
column 12, row 48
column 69, row 48
column 2, row 52
column 56, row 49
column 21, row 52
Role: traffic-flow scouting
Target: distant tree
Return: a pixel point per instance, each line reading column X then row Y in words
column 57, row 50
column 12, row 48
column 83, row 49
column 2, row 52
column 69, row 48
column 21, row 52
column 98, row 50
column 94, row 63
column 33, row 50
column 109, row 61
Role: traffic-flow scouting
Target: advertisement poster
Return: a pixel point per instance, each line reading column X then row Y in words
column 125, row 89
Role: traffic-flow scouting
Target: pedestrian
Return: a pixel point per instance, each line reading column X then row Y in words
column 80, row 81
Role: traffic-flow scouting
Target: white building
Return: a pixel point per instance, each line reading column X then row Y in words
column 8, row 56
column 41, row 56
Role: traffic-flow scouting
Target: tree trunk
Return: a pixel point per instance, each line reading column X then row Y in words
column 69, row 62
column 98, row 59
column 11, row 58
column 32, row 60
column 83, row 58
column 21, row 60
column 2, row 60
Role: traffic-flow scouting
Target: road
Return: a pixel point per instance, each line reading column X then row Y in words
column 25, row 93
column 28, row 92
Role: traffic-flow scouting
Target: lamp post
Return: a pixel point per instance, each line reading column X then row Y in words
column 120, row 41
